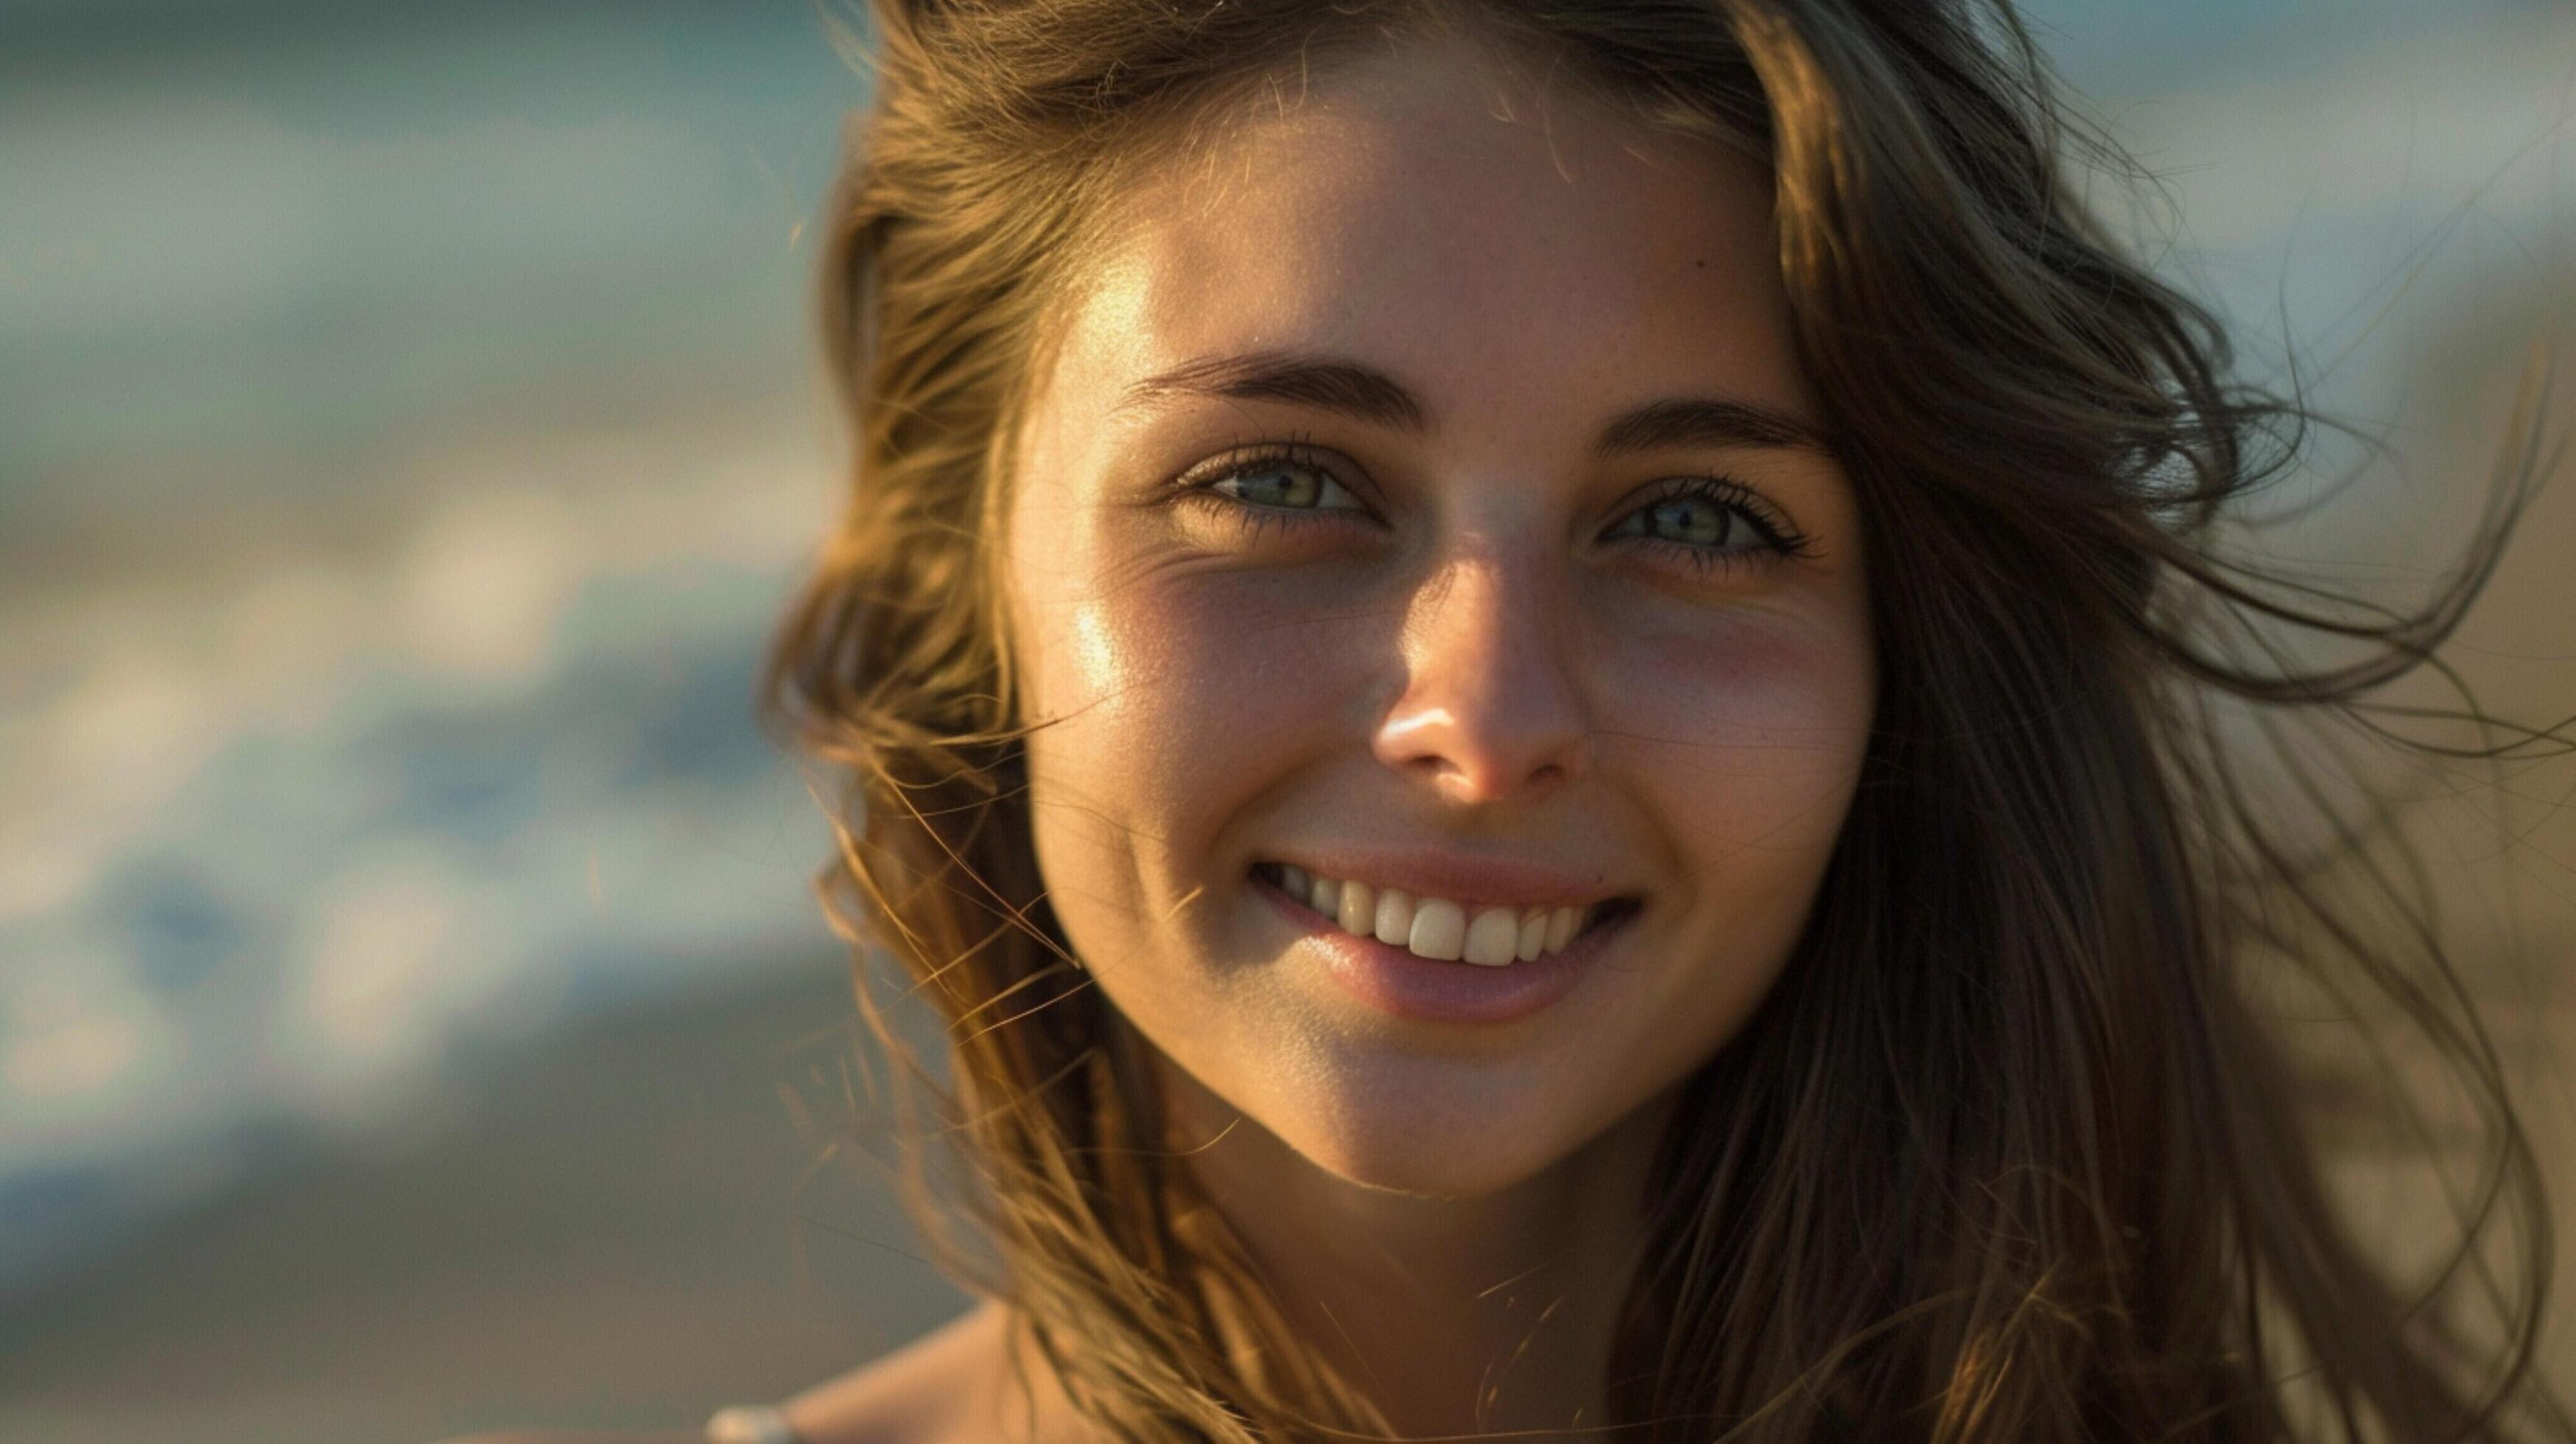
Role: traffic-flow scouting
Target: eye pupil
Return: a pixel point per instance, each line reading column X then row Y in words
column 1279, row 484
column 1691, row 520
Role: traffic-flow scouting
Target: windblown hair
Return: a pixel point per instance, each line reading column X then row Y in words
column 2009, row 1153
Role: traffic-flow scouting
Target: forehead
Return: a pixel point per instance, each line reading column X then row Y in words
column 1500, row 242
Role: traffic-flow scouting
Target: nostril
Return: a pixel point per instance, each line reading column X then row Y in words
column 1497, row 780
column 1508, row 731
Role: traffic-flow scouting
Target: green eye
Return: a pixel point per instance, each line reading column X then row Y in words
column 1692, row 521
column 1711, row 522
column 1284, row 483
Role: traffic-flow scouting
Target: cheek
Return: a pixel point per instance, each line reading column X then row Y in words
column 1179, row 695
column 1738, row 743
column 1749, row 731
column 1746, row 746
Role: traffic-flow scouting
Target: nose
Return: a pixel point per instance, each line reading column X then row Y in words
column 1490, row 710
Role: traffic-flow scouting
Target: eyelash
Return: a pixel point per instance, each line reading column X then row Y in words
column 1779, row 538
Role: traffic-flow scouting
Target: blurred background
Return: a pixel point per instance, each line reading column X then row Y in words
column 412, row 1008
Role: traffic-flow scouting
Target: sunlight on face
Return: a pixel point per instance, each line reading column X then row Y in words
column 1425, row 493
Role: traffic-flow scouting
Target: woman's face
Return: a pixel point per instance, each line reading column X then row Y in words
column 1424, row 496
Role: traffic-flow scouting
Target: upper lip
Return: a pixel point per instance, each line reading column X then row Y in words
column 1458, row 876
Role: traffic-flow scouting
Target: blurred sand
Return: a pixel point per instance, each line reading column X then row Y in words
column 604, row 1236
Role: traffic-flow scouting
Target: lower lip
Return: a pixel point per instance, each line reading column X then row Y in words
column 1431, row 991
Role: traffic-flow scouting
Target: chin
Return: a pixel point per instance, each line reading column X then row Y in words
column 1468, row 1150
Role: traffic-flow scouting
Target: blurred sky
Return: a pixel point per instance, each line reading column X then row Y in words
column 409, row 433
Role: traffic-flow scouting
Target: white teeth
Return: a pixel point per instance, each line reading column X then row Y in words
column 1492, row 938
column 1437, row 928
column 1395, row 916
column 1358, row 912
column 1562, row 924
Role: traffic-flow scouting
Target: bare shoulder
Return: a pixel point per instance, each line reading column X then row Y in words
column 952, row 1386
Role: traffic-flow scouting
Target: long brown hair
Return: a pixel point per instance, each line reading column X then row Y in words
column 2009, row 1152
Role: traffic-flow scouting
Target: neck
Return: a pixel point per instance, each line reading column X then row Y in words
column 1456, row 1315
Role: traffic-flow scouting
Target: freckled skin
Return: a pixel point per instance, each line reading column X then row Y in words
column 1476, row 663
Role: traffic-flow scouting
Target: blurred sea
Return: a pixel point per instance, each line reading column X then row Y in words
column 408, row 439
column 410, row 430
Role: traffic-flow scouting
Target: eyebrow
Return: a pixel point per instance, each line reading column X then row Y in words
column 1350, row 388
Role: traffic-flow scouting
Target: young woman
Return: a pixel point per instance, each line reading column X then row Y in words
column 1534, row 684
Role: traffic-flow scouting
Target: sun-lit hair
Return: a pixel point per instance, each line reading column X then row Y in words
column 2009, row 1152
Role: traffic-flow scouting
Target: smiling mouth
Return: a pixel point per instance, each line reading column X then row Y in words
column 1488, row 934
